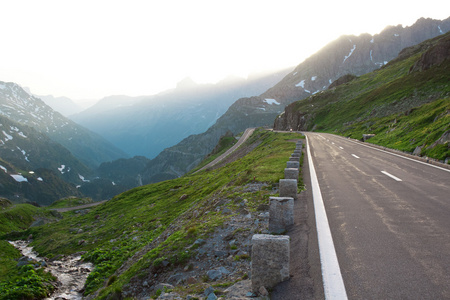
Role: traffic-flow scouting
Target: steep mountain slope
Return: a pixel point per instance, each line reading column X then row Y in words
column 353, row 55
column 63, row 105
column 348, row 54
column 19, row 106
column 406, row 103
column 34, row 168
column 146, row 125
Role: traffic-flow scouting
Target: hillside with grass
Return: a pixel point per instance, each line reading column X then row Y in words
column 405, row 104
column 188, row 233
column 20, row 279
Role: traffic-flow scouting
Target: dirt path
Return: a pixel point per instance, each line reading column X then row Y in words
column 79, row 207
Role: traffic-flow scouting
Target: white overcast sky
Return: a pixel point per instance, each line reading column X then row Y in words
column 91, row 49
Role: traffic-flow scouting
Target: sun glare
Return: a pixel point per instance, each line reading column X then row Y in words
column 90, row 49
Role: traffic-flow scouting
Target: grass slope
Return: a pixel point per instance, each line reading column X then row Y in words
column 132, row 234
column 404, row 109
column 20, row 282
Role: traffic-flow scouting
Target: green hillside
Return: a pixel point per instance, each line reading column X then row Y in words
column 152, row 232
column 405, row 104
column 20, row 281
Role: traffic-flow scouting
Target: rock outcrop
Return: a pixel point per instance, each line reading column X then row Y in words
column 433, row 56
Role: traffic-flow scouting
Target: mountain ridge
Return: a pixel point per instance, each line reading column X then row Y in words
column 315, row 74
column 19, row 106
column 146, row 125
column 403, row 105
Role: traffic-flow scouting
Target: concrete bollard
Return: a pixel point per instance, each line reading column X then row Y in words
column 291, row 173
column 296, row 155
column 270, row 260
column 294, row 158
column 281, row 214
column 293, row 164
column 288, row 188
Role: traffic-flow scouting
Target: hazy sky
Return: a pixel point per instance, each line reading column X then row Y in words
column 91, row 49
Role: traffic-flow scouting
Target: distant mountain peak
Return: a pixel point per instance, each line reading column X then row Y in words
column 186, row 83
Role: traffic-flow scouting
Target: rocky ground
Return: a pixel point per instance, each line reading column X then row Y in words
column 221, row 267
column 70, row 271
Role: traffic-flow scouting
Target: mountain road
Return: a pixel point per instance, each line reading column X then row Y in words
column 247, row 133
column 388, row 217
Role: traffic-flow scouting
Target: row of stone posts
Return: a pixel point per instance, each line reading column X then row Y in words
column 270, row 253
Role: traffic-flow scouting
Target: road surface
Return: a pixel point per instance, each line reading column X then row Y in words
column 65, row 209
column 389, row 219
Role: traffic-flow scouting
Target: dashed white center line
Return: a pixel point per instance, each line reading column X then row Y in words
column 355, row 156
column 390, row 175
column 341, row 148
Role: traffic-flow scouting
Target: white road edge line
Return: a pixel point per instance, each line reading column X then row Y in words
column 390, row 175
column 333, row 284
column 395, row 154
column 355, row 156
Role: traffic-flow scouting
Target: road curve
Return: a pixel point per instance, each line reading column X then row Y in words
column 247, row 133
column 389, row 219
column 65, row 209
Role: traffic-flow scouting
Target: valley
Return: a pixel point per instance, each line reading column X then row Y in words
column 165, row 228
column 171, row 223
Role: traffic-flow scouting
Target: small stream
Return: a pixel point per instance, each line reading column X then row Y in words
column 70, row 271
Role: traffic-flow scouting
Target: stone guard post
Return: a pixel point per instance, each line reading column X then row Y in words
column 293, row 164
column 291, row 173
column 288, row 188
column 281, row 214
column 270, row 260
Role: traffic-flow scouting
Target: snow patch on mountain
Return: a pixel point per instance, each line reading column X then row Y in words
column 24, row 153
column 19, row 178
column 61, row 169
column 272, row 101
column 8, row 137
column 301, row 84
column 350, row 54
column 82, row 178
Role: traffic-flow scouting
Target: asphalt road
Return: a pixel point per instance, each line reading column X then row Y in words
column 247, row 133
column 65, row 209
column 389, row 219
